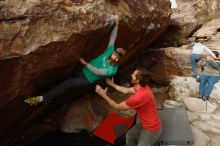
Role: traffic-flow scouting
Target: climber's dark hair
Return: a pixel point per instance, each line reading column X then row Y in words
column 142, row 76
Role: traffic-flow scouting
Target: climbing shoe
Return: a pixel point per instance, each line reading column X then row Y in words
column 200, row 96
column 197, row 78
column 204, row 98
column 33, row 100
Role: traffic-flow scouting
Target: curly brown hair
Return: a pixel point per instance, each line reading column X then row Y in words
column 142, row 76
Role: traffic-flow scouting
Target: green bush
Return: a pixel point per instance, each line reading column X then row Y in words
column 208, row 18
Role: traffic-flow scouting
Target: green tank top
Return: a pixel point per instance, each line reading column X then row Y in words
column 101, row 62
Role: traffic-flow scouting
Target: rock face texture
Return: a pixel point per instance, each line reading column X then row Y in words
column 164, row 62
column 206, row 7
column 40, row 45
column 39, row 37
column 169, row 61
column 203, row 116
column 209, row 30
column 188, row 17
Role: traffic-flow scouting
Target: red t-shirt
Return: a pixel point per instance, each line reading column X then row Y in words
column 144, row 104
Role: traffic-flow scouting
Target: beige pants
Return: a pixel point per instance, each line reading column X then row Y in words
column 137, row 136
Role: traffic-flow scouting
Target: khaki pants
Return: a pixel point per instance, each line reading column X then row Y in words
column 137, row 136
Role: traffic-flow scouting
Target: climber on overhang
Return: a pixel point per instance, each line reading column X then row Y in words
column 105, row 65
